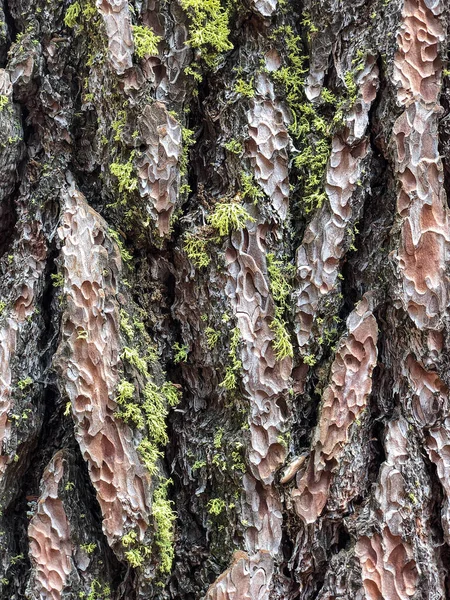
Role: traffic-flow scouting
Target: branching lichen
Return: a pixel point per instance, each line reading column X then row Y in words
column 195, row 248
column 72, row 14
column 209, row 30
column 230, row 380
column 145, row 41
column 228, row 217
column 164, row 520
column 123, row 172
column 280, row 287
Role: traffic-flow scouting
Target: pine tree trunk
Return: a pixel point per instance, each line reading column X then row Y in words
column 224, row 238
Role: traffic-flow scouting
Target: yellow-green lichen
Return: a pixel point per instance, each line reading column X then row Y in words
column 209, row 30
column 145, row 41
column 228, row 217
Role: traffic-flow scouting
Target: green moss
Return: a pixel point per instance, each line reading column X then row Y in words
column 136, row 556
column 171, row 393
column 118, row 125
column 145, row 41
column 234, row 146
column 245, row 88
column 310, row 130
column 150, row 455
column 199, row 464
column 89, row 548
column 235, row 365
column 72, row 14
column 164, row 520
column 212, row 337
column 123, row 172
column 148, row 414
column 181, row 353
column 312, row 162
column 281, row 344
column 328, row 96
column 131, row 355
column 309, row 360
column 128, row 410
column 125, row 255
column 351, row 86
column 57, row 279
column 218, row 437
column 3, row 101
column 24, row 383
column 195, row 248
column 216, row 506
column 129, row 539
column 280, row 275
column 125, row 324
column 187, row 136
column 208, row 30
column 250, row 189
column 228, row 217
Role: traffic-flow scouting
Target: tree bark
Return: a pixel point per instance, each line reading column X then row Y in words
column 224, row 294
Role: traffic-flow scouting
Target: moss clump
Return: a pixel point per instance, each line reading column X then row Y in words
column 312, row 162
column 164, row 520
column 125, row 255
column 187, row 135
column 228, row 217
column 147, row 413
column 145, row 41
column 281, row 344
column 216, row 506
column 310, row 130
column 230, row 380
column 24, row 383
column 212, row 337
column 125, row 325
column 123, row 172
column 280, row 287
column 72, row 14
column 234, row 146
column 209, row 30
column 57, row 279
column 136, row 556
column 250, row 189
column 118, row 125
column 181, row 353
column 3, row 101
column 195, row 249
column 245, row 88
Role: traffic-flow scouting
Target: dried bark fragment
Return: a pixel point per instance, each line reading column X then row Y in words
column 388, row 569
column 49, row 534
column 267, row 147
column 423, row 248
column 417, row 66
column 31, row 254
column 116, row 16
column 88, row 359
column 387, row 560
column 246, row 579
column 265, row 7
column 343, row 401
column 158, row 167
column 265, row 378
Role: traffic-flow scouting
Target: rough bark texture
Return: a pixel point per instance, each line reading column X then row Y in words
column 224, row 238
